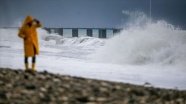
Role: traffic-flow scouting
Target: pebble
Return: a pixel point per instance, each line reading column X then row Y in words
column 41, row 77
column 104, row 84
column 9, row 86
column 16, row 95
column 91, row 103
column 66, row 86
column 92, row 98
column 101, row 99
column 61, row 90
column 43, row 89
column 41, row 95
column 63, row 98
column 118, row 87
column 56, row 80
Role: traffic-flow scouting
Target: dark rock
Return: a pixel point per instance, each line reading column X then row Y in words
column 83, row 99
column 30, row 87
column 16, row 71
column 2, row 94
column 132, row 101
column 45, row 72
column 114, row 89
column 26, row 76
column 137, row 92
column 167, row 97
column 2, row 83
column 153, row 92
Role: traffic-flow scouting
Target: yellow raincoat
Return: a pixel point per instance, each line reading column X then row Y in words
column 29, row 34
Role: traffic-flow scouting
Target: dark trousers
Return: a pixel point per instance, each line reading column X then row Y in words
column 33, row 58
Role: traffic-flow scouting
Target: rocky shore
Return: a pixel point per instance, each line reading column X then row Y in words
column 20, row 87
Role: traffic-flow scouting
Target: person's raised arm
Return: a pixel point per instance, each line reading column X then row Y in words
column 38, row 23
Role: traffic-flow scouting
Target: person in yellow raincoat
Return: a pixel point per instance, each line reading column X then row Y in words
column 29, row 34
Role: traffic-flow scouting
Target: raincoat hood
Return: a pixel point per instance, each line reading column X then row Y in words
column 28, row 19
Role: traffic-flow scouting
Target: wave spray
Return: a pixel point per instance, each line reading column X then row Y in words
column 143, row 42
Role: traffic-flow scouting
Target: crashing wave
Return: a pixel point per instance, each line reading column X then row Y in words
column 156, row 43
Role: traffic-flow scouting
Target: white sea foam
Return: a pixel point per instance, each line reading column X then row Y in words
column 146, row 43
column 143, row 52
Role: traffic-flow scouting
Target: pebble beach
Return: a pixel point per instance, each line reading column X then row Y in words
column 20, row 87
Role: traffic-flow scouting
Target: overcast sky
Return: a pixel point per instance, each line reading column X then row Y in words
column 89, row 13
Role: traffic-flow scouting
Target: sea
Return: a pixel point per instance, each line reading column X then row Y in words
column 145, row 51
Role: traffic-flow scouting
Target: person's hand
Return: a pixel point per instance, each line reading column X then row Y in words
column 37, row 21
